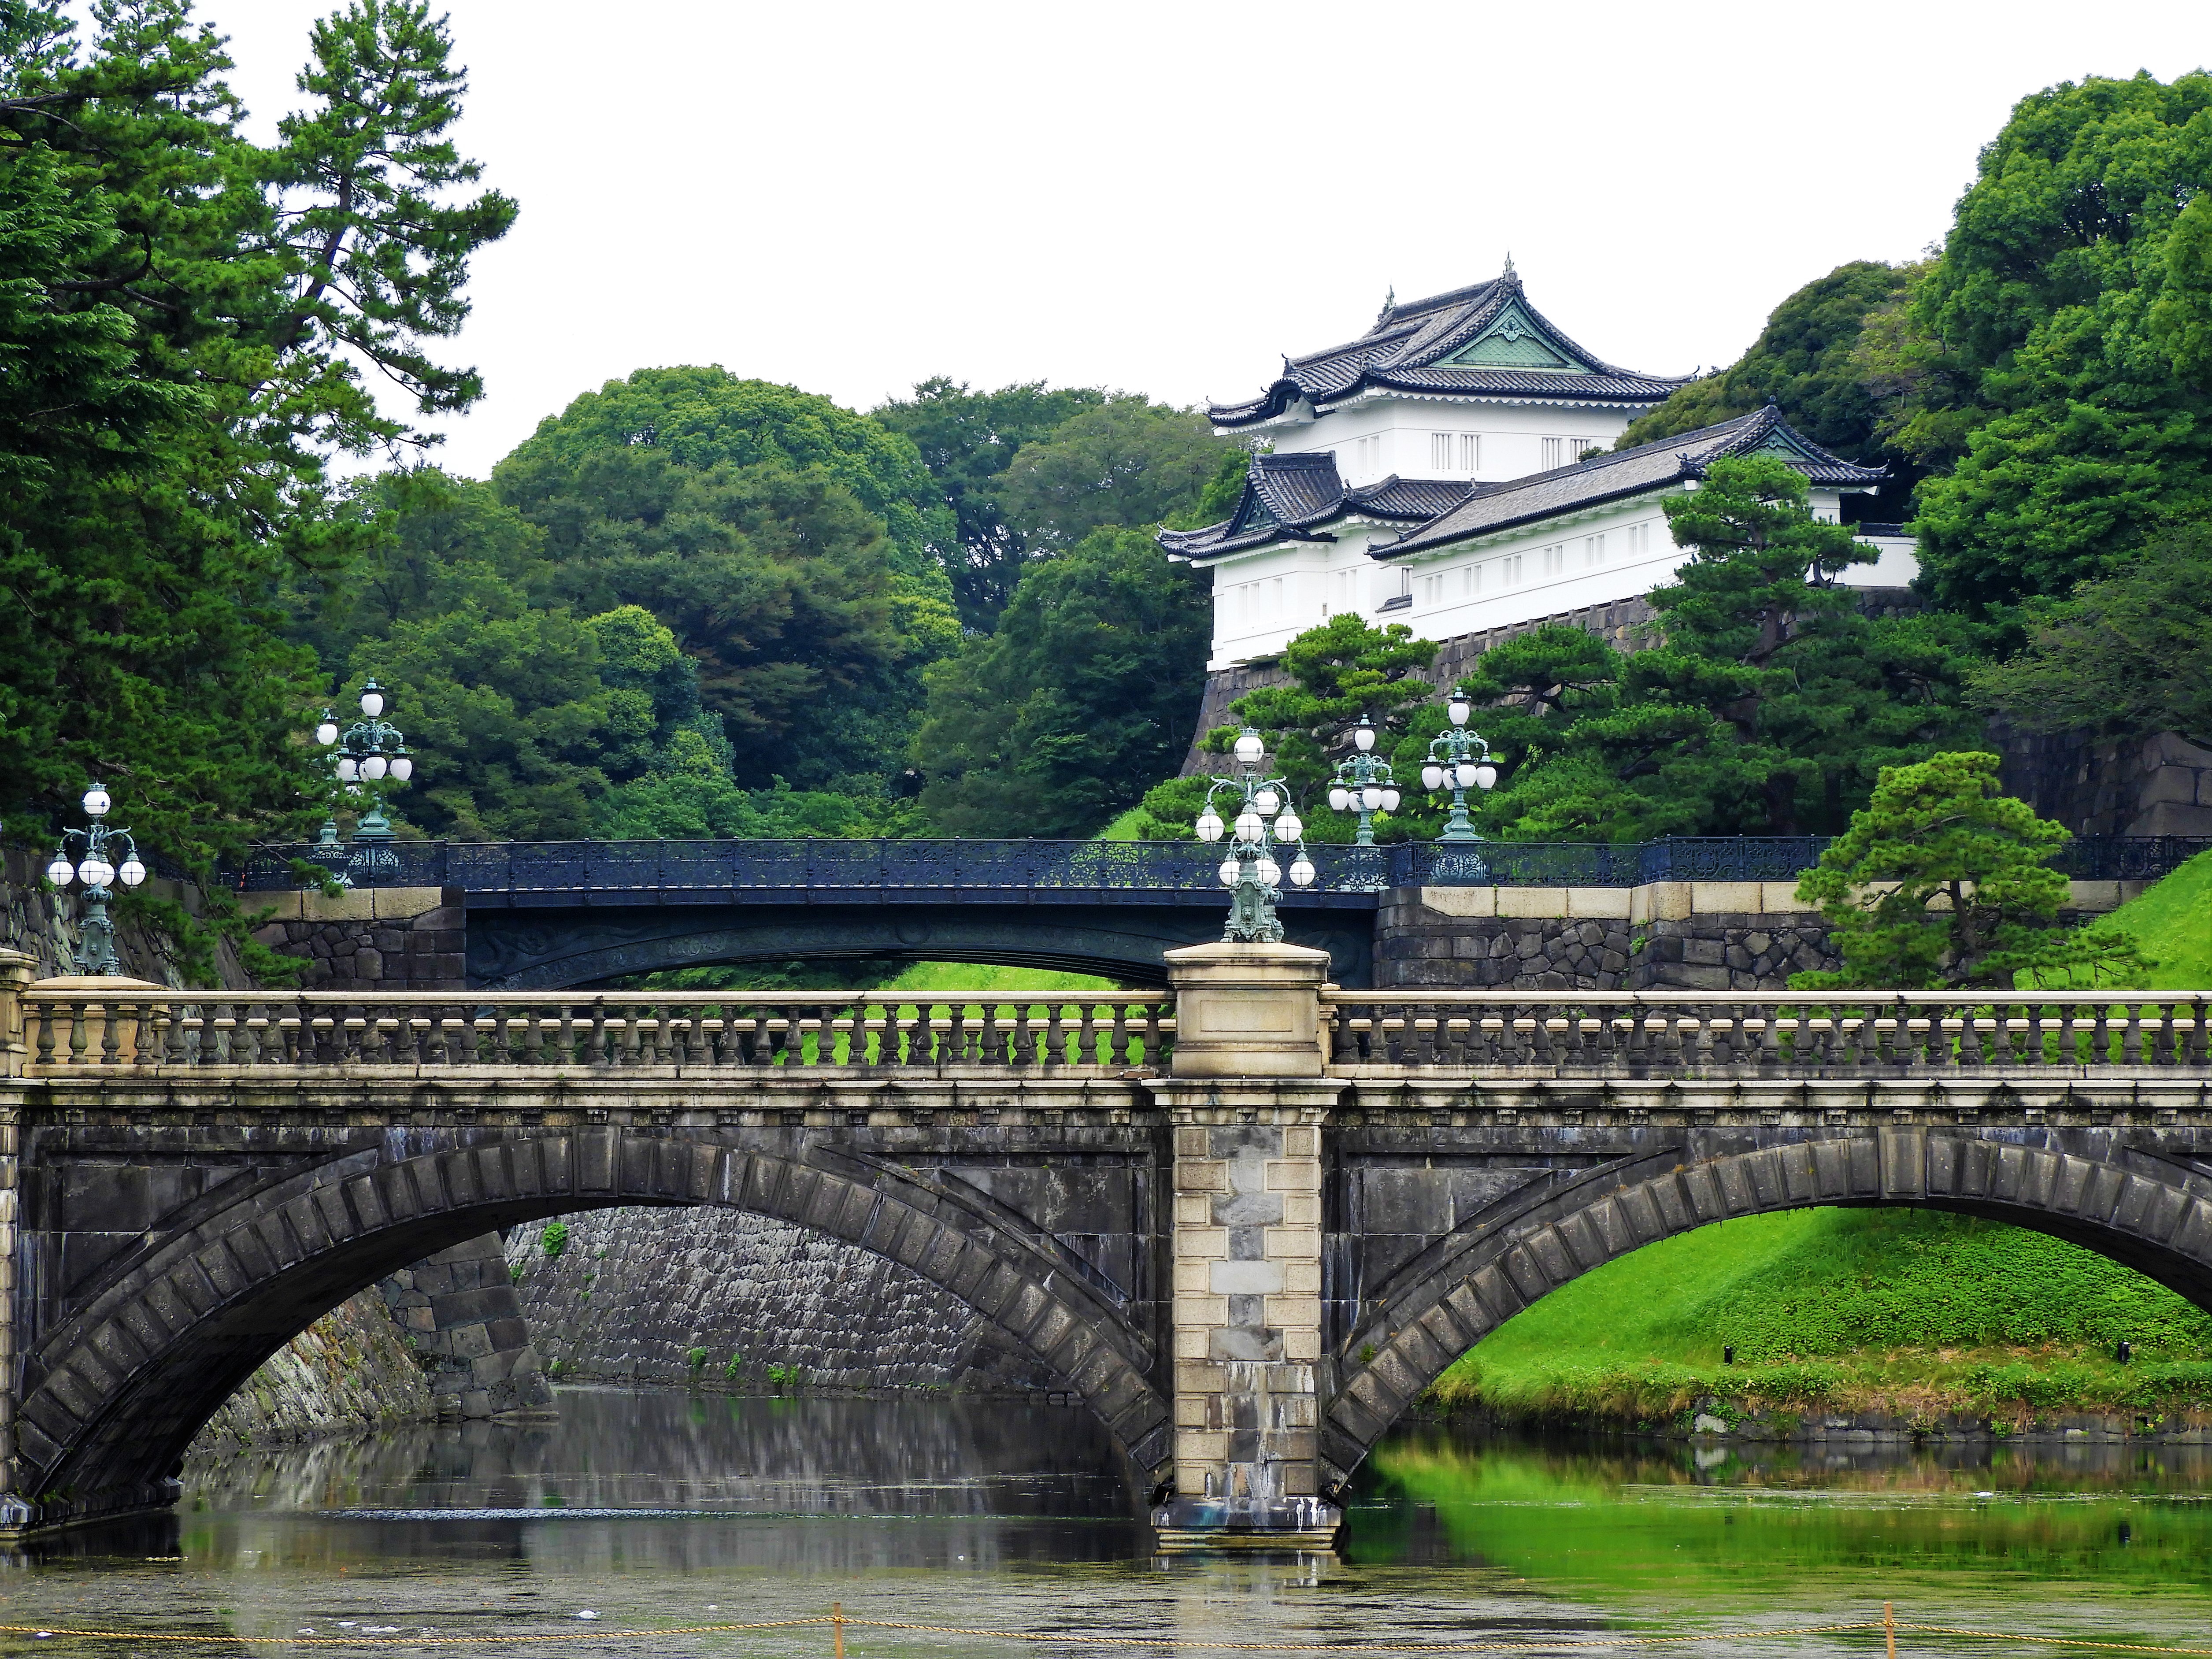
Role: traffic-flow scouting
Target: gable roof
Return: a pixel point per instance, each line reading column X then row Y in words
column 1485, row 341
column 1612, row 476
column 1291, row 497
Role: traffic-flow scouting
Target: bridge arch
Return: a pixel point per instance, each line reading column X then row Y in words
column 2145, row 1210
column 113, row 1395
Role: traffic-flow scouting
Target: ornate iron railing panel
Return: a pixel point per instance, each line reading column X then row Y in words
column 1691, row 1033
column 1104, row 867
column 70, row 1032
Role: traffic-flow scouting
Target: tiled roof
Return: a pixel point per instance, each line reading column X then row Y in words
column 1626, row 472
column 1291, row 497
column 1405, row 349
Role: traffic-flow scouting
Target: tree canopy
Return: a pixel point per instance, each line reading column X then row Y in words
column 1940, row 883
column 967, row 439
column 2054, row 354
column 1063, row 716
column 1129, row 462
column 187, row 317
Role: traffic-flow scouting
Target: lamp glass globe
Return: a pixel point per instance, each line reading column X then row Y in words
column 1228, row 872
column 372, row 703
column 1302, row 872
column 1432, row 777
column 1250, row 748
column 132, row 871
column 1340, row 799
column 1266, row 803
column 1466, row 775
column 1486, row 777
column 1363, row 737
column 60, row 871
column 1290, row 826
column 96, row 801
column 374, row 766
column 403, row 767
column 1459, row 709
column 1248, row 826
column 94, row 871
column 1390, row 800
column 1371, row 797
column 1208, row 826
column 1269, row 871
column 327, row 733
column 348, row 768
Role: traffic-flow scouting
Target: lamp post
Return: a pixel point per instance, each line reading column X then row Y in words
column 1452, row 765
column 1264, row 820
column 367, row 752
column 86, row 854
column 1364, row 785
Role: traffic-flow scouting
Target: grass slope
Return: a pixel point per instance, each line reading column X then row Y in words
column 1903, row 1311
column 2172, row 922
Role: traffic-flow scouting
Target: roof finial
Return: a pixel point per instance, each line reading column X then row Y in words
column 1512, row 277
column 1390, row 304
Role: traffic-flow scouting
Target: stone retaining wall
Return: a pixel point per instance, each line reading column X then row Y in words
column 391, row 939
column 349, row 1371
column 458, row 1311
column 636, row 1290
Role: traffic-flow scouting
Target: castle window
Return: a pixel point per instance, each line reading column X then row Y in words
column 1470, row 452
column 1593, row 551
column 1470, row 582
column 1440, row 451
column 1509, row 570
column 1555, row 559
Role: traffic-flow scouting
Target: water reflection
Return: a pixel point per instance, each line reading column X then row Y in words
column 654, row 1510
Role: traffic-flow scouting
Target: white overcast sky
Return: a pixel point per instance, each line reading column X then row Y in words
column 1165, row 197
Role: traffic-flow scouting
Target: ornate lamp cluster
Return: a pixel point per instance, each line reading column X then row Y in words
column 89, row 856
column 369, row 751
column 1264, row 820
column 1363, row 783
column 1452, row 765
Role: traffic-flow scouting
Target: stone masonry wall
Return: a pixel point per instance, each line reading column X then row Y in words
column 348, row 1372
column 636, row 1290
column 391, row 939
column 2161, row 784
column 44, row 924
column 458, row 1312
column 1592, row 939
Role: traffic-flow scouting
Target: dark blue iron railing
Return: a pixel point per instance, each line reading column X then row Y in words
column 1106, row 865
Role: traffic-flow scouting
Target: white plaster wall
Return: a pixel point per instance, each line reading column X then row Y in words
column 1512, row 435
column 1538, row 572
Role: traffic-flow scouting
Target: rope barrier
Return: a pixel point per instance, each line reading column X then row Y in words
column 845, row 1622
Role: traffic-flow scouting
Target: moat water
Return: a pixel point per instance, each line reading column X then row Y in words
column 651, row 1512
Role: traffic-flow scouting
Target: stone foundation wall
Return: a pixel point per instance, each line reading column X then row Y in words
column 46, row 926
column 391, row 939
column 1671, row 936
column 459, row 1313
column 2156, row 785
column 349, row 1371
column 636, row 1290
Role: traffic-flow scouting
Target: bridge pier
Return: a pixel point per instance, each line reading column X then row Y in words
column 1246, row 1102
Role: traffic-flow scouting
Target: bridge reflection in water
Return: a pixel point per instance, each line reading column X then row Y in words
column 1249, row 1219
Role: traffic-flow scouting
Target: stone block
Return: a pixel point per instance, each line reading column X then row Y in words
column 1246, row 1277
column 1779, row 896
column 1472, row 901
column 1532, row 902
column 1705, row 953
column 1303, row 1343
column 1660, row 901
column 1707, row 896
column 1202, row 1242
column 1605, row 903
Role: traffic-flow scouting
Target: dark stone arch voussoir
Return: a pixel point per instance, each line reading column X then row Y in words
column 2144, row 1210
column 112, row 1396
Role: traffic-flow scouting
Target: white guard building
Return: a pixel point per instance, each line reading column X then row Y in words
column 1452, row 470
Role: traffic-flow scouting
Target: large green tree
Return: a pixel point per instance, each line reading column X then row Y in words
column 1129, row 462
column 1941, row 882
column 966, row 439
column 189, row 317
column 1767, row 703
column 2055, row 356
column 701, row 418
column 1061, row 718
column 2126, row 655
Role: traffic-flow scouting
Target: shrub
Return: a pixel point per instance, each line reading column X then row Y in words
column 554, row 1240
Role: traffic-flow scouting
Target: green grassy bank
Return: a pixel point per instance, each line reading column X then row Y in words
column 1901, row 1312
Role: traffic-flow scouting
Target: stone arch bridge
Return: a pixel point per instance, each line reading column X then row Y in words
column 1249, row 1219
